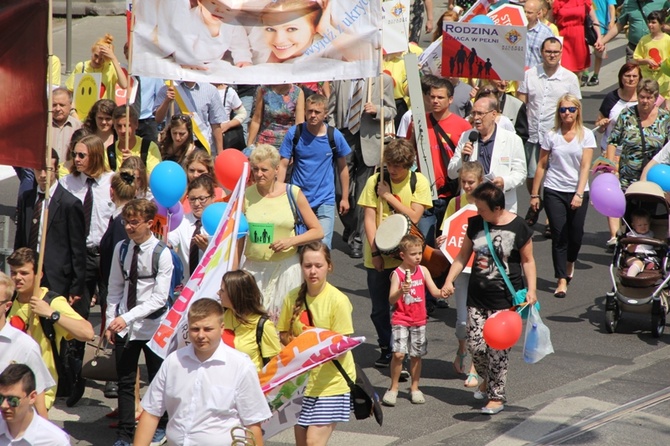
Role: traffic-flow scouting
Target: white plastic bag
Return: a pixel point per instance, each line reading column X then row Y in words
column 537, row 342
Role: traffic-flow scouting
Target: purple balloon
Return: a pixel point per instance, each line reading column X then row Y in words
column 176, row 213
column 607, row 196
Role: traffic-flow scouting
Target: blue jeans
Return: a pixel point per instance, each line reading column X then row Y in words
column 326, row 215
column 379, row 285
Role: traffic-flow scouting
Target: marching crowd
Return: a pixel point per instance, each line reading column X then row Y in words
column 314, row 152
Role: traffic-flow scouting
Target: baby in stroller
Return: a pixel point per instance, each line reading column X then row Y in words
column 640, row 256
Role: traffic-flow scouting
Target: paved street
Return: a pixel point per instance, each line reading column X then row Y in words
column 596, row 389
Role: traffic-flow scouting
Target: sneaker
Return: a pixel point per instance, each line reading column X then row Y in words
column 585, row 79
column 593, row 81
column 441, row 303
column 404, row 375
column 611, row 242
column 159, row 437
column 384, row 359
column 121, row 442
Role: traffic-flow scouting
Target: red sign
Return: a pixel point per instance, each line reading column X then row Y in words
column 509, row 15
column 455, row 228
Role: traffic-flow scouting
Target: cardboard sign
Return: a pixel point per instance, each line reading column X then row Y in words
column 455, row 228
column 509, row 15
column 395, row 22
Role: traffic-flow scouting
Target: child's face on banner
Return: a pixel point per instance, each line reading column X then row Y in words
column 291, row 38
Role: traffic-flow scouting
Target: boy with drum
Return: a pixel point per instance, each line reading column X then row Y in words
column 401, row 192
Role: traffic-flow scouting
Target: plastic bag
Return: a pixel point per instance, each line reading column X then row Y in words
column 537, row 343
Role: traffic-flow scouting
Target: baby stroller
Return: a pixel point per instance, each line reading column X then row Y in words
column 648, row 291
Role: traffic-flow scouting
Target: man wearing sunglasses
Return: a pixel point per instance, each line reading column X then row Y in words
column 19, row 423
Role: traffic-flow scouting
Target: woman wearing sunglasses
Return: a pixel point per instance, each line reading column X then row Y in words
column 565, row 181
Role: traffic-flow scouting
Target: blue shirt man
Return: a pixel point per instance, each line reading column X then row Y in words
column 313, row 159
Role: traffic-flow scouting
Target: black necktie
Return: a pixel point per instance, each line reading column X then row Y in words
column 194, row 251
column 35, row 223
column 132, row 278
column 88, row 204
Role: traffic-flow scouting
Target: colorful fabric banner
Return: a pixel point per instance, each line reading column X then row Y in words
column 257, row 41
column 206, row 279
column 23, row 51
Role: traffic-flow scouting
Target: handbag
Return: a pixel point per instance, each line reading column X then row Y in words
column 99, row 362
column 363, row 395
column 451, row 186
column 234, row 137
column 518, row 296
column 590, row 33
column 537, row 342
column 300, row 226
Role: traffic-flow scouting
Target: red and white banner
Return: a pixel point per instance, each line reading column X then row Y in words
column 480, row 8
column 23, row 77
column 257, row 41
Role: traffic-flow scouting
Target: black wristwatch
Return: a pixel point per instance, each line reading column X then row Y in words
column 55, row 316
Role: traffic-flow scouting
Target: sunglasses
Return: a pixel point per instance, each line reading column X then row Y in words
column 12, row 401
column 566, row 109
column 489, row 91
column 80, row 155
column 182, row 118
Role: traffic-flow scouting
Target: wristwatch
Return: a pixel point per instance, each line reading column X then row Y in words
column 55, row 316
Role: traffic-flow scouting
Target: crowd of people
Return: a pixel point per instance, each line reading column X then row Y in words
column 314, row 154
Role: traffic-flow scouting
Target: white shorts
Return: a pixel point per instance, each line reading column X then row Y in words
column 410, row 340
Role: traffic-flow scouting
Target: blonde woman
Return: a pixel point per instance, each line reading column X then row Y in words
column 566, row 189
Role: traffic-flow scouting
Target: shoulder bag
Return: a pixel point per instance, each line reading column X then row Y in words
column 300, row 226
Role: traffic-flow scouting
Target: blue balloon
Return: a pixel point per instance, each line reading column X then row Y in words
column 243, row 229
column 168, row 183
column 482, row 20
column 212, row 215
column 660, row 174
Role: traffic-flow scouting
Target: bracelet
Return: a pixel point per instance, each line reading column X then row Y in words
column 581, row 196
column 376, row 253
column 534, row 196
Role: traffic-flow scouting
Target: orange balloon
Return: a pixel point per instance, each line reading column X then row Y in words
column 502, row 329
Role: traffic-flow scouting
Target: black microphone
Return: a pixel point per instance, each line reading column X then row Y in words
column 472, row 137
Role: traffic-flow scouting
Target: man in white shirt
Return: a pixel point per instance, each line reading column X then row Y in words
column 541, row 89
column 18, row 347
column 136, row 305
column 19, row 424
column 206, row 387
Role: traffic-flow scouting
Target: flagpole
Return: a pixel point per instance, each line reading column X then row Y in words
column 47, row 156
column 130, row 75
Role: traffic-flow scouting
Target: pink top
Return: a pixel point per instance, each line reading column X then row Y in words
column 410, row 309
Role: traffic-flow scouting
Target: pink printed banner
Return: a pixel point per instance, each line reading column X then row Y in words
column 206, row 279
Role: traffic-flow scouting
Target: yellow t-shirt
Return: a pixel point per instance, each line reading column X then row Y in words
column 153, row 157
column 395, row 67
column 403, row 191
column 53, row 76
column 330, row 309
column 24, row 312
column 659, row 51
column 242, row 337
column 269, row 219
column 552, row 27
column 109, row 78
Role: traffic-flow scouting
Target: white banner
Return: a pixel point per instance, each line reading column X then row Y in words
column 257, row 41
column 483, row 51
column 395, row 16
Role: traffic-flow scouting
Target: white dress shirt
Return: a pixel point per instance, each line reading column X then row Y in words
column 180, row 240
column 40, row 432
column 205, row 400
column 543, row 93
column 18, row 347
column 152, row 293
column 103, row 207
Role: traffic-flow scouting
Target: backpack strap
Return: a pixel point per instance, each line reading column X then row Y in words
column 111, row 156
column 457, row 202
column 155, row 259
column 330, row 131
column 387, row 180
column 259, row 337
column 123, row 251
column 144, row 150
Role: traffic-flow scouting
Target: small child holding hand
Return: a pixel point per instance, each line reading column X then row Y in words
column 408, row 322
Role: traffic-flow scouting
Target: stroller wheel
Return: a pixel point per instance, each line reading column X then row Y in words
column 657, row 325
column 612, row 318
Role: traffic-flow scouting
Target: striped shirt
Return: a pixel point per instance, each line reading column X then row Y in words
column 535, row 36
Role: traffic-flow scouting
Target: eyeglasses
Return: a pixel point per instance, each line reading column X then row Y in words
column 552, row 53
column 132, row 223
column 201, row 200
column 565, row 109
column 12, row 401
column 182, row 118
column 80, row 155
column 477, row 114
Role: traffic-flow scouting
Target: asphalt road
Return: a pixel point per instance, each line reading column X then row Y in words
column 596, row 389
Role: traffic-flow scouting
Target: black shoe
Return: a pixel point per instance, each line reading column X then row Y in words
column 384, row 359
column 585, row 79
column 77, row 392
column 356, row 252
column 430, row 307
column 111, row 390
column 532, row 215
column 593, row 81
column 346, row 233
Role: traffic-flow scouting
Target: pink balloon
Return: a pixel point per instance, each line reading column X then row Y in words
column 607, row 196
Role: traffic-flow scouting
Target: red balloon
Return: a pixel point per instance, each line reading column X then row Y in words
column 228, row 167
column 502, row 329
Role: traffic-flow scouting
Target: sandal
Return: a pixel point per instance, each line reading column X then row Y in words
column 94, row 300
column 473, row 380
column 390, row 397
column 459, row 361
column 532, row 215
column 416, row 397
column 547, row 231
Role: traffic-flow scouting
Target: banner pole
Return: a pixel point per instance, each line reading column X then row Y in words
column 47, row 156
column 130, row 75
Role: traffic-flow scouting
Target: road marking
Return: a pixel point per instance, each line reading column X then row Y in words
column 339, row 438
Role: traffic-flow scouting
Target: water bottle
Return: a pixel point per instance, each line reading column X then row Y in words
column 531, row 345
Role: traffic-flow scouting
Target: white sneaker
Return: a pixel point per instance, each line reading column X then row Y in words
column 611, row 242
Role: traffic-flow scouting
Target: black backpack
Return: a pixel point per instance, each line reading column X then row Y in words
column 144, row 153
column 330, row 132
column 387, row 180
column 259, row 338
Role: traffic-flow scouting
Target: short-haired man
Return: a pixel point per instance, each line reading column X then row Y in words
column 63, row 124
column 33, row 314
column 136, row 305
column 126, row 128
column 207, row 388
column 542, row 87
column 19, row 425
column 16, row 346
column 313, row 163
column 499, row 151
column 536, row 33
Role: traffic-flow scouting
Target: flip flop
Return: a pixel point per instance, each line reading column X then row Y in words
column 459, row 361
column 469, row 380
column 416, row 397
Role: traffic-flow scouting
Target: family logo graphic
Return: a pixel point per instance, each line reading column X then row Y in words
column 513, row 37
